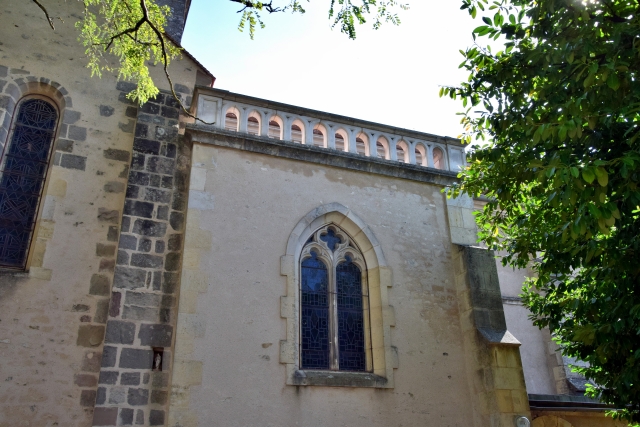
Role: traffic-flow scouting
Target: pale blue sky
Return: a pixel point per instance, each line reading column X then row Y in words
column 391, row 75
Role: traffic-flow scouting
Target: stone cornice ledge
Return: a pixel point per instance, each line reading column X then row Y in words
column 338, row 379
column 323, row 156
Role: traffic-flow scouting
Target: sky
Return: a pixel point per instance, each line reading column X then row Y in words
column 391, row 75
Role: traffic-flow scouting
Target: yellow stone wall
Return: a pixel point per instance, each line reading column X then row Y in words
column 52, row 316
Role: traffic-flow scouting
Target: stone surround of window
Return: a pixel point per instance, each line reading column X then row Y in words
column 384, row 356
column 17, row 86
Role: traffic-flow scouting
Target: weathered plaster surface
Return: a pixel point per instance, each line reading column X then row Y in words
column 229, row 326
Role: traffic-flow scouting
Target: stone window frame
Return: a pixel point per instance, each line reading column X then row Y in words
column 49, row 94
column 384, row 356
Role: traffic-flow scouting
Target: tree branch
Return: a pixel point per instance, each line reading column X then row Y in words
column 257, row 5
column 49, row 19
column 165, row 61
column 130, row 30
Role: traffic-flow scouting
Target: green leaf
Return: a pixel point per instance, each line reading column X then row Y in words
column 613, row 81
column 603, row 176
column 575, row 172
column 487, row 20
column 588, row 175
column 562, row 133
column 588, row 82
column 594, row 211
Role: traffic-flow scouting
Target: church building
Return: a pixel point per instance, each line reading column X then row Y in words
column 278, row 266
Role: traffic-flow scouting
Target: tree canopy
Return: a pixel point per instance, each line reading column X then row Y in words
column 133, row 32
column 558, row 109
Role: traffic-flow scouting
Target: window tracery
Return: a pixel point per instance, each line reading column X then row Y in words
column 334, row 326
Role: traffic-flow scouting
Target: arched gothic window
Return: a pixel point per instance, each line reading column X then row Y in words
column 23, row 168
column 334, row 306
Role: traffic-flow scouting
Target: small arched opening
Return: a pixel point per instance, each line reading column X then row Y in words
column 231, row 119
column 297, row 131
column 342, row 140
column 382, row 148
column 402, row 152
column 362, row 147
column 275, row 127
column 319, row 136
column 421, row 155
column 438, row 158
column 253, row 124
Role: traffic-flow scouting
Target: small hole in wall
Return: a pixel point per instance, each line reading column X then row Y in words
column 158, row 354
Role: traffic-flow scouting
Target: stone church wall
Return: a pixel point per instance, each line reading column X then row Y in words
column 53, row 316
column 242, row 209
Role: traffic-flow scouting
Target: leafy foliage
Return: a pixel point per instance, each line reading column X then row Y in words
column 559, row 111
column 344, row 13
column 132, row 31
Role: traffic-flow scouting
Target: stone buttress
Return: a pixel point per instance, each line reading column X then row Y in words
column 137, row 358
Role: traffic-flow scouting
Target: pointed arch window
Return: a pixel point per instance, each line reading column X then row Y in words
column 334, row 327
column 23, row 168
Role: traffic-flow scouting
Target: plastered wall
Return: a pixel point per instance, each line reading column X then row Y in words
column 536, row 350
column 52, row 317
column 242, row 210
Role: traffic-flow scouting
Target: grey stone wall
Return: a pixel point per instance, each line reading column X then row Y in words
column 142, row 310
column 175, row 24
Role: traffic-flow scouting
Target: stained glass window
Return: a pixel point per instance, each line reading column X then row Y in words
column 22, row 173
column 315, row 313
column 333, row 301
column 350, row 316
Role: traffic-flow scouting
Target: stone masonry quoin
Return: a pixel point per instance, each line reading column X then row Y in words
column 142, row 310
